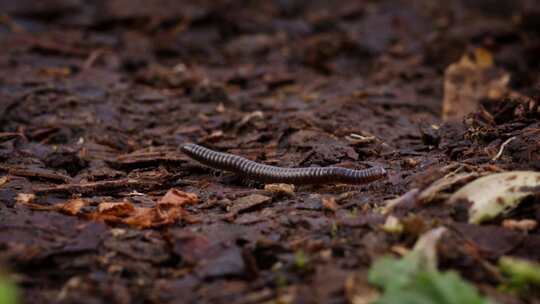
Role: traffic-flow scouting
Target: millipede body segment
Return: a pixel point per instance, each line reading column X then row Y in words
column 273, row 174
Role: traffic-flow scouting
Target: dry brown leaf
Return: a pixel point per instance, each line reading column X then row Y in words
column 141, row 218
column 168, row 210
column 72, row 207
column 178, row 198
column 152, row 217
column 118, row 209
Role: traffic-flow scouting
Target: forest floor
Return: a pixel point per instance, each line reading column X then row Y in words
column 98, row 203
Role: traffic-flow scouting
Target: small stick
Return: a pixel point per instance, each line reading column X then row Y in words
column 501, row 149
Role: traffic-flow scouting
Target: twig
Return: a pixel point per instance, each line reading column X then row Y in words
column 501, row 149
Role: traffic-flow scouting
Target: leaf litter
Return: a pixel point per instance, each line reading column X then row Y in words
column 167, row 210
column 93, row 113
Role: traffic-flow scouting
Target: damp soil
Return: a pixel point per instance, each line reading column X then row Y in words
column 96, row 97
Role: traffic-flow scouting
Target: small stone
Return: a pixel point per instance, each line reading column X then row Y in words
column 280, row 189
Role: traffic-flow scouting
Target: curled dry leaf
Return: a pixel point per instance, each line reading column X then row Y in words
column 178, row 198
column 497, row 193
column 115, row 208
column 72, row 207
column 151, row 217
column 168, row 210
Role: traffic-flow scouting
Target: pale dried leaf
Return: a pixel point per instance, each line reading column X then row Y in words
column 426, row 248
column 497, row 193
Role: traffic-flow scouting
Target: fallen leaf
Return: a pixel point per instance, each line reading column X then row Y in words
column 415, row 278
column 168, row 210
column 72, row 207
column 144, row 218
column 470, row 80
column 117, row 209
column 9, row 292
column 497, row 193
column 521, row 274
column 426, row 247
column 178, row 198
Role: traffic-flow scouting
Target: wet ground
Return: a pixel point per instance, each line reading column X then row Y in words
column 97, row 203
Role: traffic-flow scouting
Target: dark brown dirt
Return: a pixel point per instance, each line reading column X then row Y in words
column 97, row 96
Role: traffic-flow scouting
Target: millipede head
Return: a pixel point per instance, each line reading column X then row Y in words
column 188, row 148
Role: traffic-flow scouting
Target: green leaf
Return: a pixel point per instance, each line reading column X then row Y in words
column 447, row 288
column 430, row 287
column 521, row 274
column 8, row 292
column 414, row 279
column 392, row 274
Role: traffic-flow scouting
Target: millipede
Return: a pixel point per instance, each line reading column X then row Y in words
column 272, row 174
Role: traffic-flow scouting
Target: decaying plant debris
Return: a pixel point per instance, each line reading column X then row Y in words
column 99, row 204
